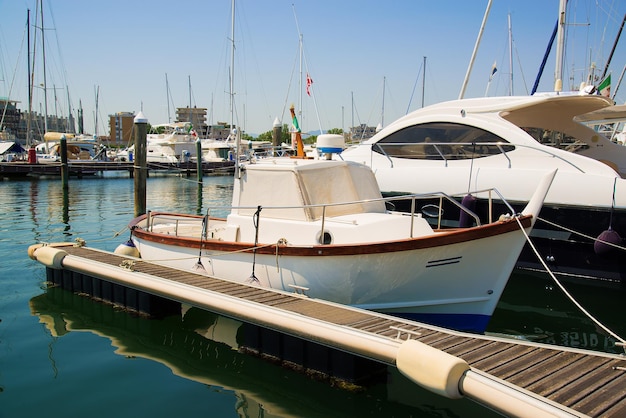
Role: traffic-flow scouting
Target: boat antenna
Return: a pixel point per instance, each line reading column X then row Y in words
column 255, row 220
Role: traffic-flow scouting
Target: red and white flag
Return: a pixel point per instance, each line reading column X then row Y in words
column 309, row 81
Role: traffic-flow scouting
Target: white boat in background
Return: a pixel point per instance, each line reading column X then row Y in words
column 79, row 147
column 167, row 143
column 217, row 149
column 609, row 121
column 321, row 227
column 154, row 154
column 508, row 143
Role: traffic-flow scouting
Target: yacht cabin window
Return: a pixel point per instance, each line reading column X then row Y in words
column 442, row 141
column 557, row 139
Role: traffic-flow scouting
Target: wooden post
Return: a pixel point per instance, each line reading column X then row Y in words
column 64, row 167
column 140, row 166
column 199, row 159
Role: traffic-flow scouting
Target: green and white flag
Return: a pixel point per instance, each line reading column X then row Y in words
column 605, row 86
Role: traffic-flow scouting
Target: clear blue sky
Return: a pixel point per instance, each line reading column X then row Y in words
column 351, row 49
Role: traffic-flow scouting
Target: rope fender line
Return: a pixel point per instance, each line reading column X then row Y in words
column 622, row 342
column 620, row 247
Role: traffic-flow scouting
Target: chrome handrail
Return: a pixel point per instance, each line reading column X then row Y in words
column 153, row 218
column 498, row 145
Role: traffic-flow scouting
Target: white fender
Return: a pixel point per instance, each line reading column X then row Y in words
column 430, row 368
column 50, row 257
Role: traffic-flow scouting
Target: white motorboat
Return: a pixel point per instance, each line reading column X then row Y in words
column 508, row 143
column 321, row 227
column 168, row 143
column 79, row 147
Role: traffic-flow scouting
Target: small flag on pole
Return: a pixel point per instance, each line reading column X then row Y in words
column 294, row 120
column 605, row 86
column 493, row 71
column 309, row 81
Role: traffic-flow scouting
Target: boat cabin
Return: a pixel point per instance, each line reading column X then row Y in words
column 306, row 190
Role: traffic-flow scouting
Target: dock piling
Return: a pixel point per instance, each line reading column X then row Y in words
column 64, row 166
column 140, row 167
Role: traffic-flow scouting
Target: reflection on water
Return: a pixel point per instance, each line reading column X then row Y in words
column 189, row 365
column 535, row 308
column 202, row 347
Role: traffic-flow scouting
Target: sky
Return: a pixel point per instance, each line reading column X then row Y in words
column 370, row 62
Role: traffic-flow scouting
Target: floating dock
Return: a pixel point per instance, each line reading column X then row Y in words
column 516, row 378
column 85, row 168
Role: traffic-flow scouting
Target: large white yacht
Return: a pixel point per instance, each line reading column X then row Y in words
column 510, row 142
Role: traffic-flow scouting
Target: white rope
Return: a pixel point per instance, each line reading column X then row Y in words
column 571, row 298
column 581, row 234
column 211, row 255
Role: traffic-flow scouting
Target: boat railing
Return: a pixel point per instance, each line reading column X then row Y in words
column 202, row 225
column 447, row 151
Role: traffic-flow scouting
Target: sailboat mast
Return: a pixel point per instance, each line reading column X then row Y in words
column 43, row 52
column 167, row 96
column 71, row 128
column 232, row 66
column 471, row 64
column 382, row 112
column 352, row 109
column 560, row 35
column 30, row 84
column 423, row 81
column 510, row 57
column 300, row 81
column 232, row 88
column 190, row 113
column 96, row 116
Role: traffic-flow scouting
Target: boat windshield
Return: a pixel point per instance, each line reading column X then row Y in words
column 442, row 141
column 557, row 139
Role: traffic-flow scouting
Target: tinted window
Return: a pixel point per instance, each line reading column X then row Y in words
column 442, row 141
column 556, row 139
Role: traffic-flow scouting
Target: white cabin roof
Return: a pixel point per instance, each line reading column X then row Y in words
column 295, row 184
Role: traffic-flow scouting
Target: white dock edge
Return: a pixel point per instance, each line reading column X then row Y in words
column 428, row 367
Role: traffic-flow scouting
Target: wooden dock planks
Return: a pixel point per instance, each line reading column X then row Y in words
column 590, row 383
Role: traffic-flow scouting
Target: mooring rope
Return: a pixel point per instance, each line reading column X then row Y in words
column 581, row 234
column 219, row 254
column 570, row 297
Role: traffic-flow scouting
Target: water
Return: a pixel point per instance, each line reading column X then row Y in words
column 71, row 356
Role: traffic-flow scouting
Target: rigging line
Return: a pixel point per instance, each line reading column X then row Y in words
column 571, row 298
column 306, row 66
column 288, row 89
column 6, row 104
column 519, row 62
column 419, row 71
column 580, row 233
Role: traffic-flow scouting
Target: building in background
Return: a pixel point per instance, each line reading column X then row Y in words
column 196, row 116
column 9, row 119
column 121, row 128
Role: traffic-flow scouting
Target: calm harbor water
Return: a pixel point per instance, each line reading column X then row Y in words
column 71, row 356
